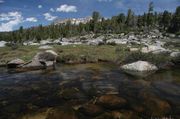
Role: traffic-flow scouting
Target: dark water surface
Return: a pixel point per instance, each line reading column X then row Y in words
column 89, row 91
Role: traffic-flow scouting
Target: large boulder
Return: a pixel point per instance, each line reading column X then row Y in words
column 31, row 43
column 46, row 42
column 139, row 68
column 45, row 47
column 3, row 43
column 175, row 54
column 57, row 42
column 42, row 60
column 175, row 58
column 134, row 49
column 15, row 63
column 96, row 41
column 52, row 52
column 132, row 37
column 154, row 49
column 117, row 41
column 48, row 55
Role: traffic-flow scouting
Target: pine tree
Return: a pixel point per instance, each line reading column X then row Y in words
column 95, row 20
column 129, row 19
column 175, row 23
column 150, row 14
column 166, row 19
column 140, row 22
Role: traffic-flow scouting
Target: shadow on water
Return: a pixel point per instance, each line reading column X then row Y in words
column 89, row 91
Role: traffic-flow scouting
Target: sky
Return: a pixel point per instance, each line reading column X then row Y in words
column 28, row 13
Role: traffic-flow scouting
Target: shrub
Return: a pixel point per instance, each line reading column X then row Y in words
column 66, row 58
column 176, row 60
column 172, row 44
column 152, row 58
column 12, row 45
column 111, row 43
column 83, row 38
column 96, row 35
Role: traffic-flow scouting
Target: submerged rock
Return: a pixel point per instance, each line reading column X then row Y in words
column 15, row 63
column 91, row 110
column 71, row 93
column 40, row 115
column 111, row 101
column 152, row 102
column 118, row 115
column 61, row 114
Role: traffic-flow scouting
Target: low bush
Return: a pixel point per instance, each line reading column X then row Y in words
column 176, row 60
column 172, row 44
column 111, row 43
column 152, row 58
column 83, row 38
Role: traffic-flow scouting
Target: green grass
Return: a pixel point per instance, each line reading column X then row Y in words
column 152, row 58
column 83, row 54
column 25, row 53
column 74, row 53
column 90, row 53
column 172, row 45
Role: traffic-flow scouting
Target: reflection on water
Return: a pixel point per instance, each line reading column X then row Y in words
column 88, row 91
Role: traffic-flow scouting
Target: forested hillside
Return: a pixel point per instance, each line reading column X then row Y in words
column 165, row 22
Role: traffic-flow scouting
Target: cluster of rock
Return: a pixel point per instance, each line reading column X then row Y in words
column 96, row 110
column 154, row 37
column 144, row 68
column 150, row 42
column 41, row 60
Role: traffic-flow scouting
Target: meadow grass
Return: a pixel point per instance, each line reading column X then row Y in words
column 83, row 54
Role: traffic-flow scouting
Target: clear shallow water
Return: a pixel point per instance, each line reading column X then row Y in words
column 73, row 86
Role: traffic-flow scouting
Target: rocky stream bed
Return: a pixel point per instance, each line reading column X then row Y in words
column 89, row 91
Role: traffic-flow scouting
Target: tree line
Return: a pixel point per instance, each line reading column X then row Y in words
column 165, row 21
